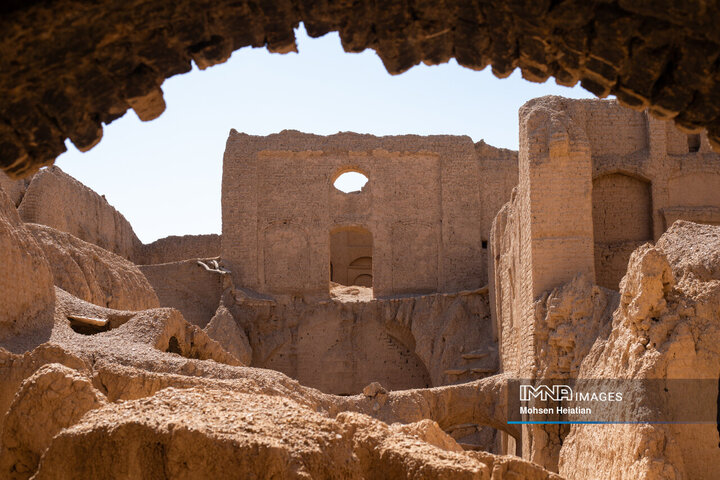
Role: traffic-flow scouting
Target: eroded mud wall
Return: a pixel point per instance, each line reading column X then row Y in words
column 615, row 183
column 186, row 286
column 57, row 200
column 664, row 334
column 422, row 205
column 175, row 248
column 340, row 347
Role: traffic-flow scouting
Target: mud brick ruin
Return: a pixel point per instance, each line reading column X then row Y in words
column 423, row 208
column 379, row 333
column 478, row 263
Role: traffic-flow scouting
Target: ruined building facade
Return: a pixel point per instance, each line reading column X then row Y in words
column 596, row 182
column 485, row 264
column 426, row 209
column 424, row 218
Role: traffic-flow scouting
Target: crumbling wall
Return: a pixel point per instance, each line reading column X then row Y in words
column 57, row 200
column 666, row 328
column 340, row 346
column 646, row 175
column 542, row 239
column 93, row 274
column 175, row 248
column 588, row 182
column 14, row 189
column 188, row 287
column 421, row 206
column 509, row 283
column 498, row 177
column 26, row 283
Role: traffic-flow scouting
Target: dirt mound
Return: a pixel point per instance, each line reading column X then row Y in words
column 55, row 397
column 139, row 338
column 150, row 392
column 259, row 435
column 224, row 329
column 693, row 251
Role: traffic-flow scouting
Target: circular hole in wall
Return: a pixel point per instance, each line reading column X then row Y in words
column 350, row 182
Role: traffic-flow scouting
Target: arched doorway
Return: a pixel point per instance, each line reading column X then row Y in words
column 622, row 220
column 351, row 250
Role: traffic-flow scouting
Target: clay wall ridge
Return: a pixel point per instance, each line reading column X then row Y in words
column 56, row 199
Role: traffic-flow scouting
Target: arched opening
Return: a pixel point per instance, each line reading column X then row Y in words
column 622, row 220
column 350, row 181
column 693, row 141
column 351, row 251
column 363, row 280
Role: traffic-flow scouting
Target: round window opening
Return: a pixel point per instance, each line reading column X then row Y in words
column 350, row 182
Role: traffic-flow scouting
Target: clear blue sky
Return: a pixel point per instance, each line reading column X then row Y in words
column 164, row 175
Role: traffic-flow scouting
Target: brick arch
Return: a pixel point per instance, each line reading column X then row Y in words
column 364, row 280
column 634, row 171
column 67, row 68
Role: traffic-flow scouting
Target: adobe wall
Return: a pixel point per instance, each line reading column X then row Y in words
column 175, row 248
column 421, row 205
column 499, row 174
column 186, row 286
column 27, row 302
column 92, row 273
column 14, row 189
column 57, row 200
column 343, row 344
column 646, row 175
column 543, row 237
column 595, row 182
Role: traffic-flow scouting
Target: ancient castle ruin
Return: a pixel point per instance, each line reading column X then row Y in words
column 388, row 333
column 459, row 267
column 423, row 210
